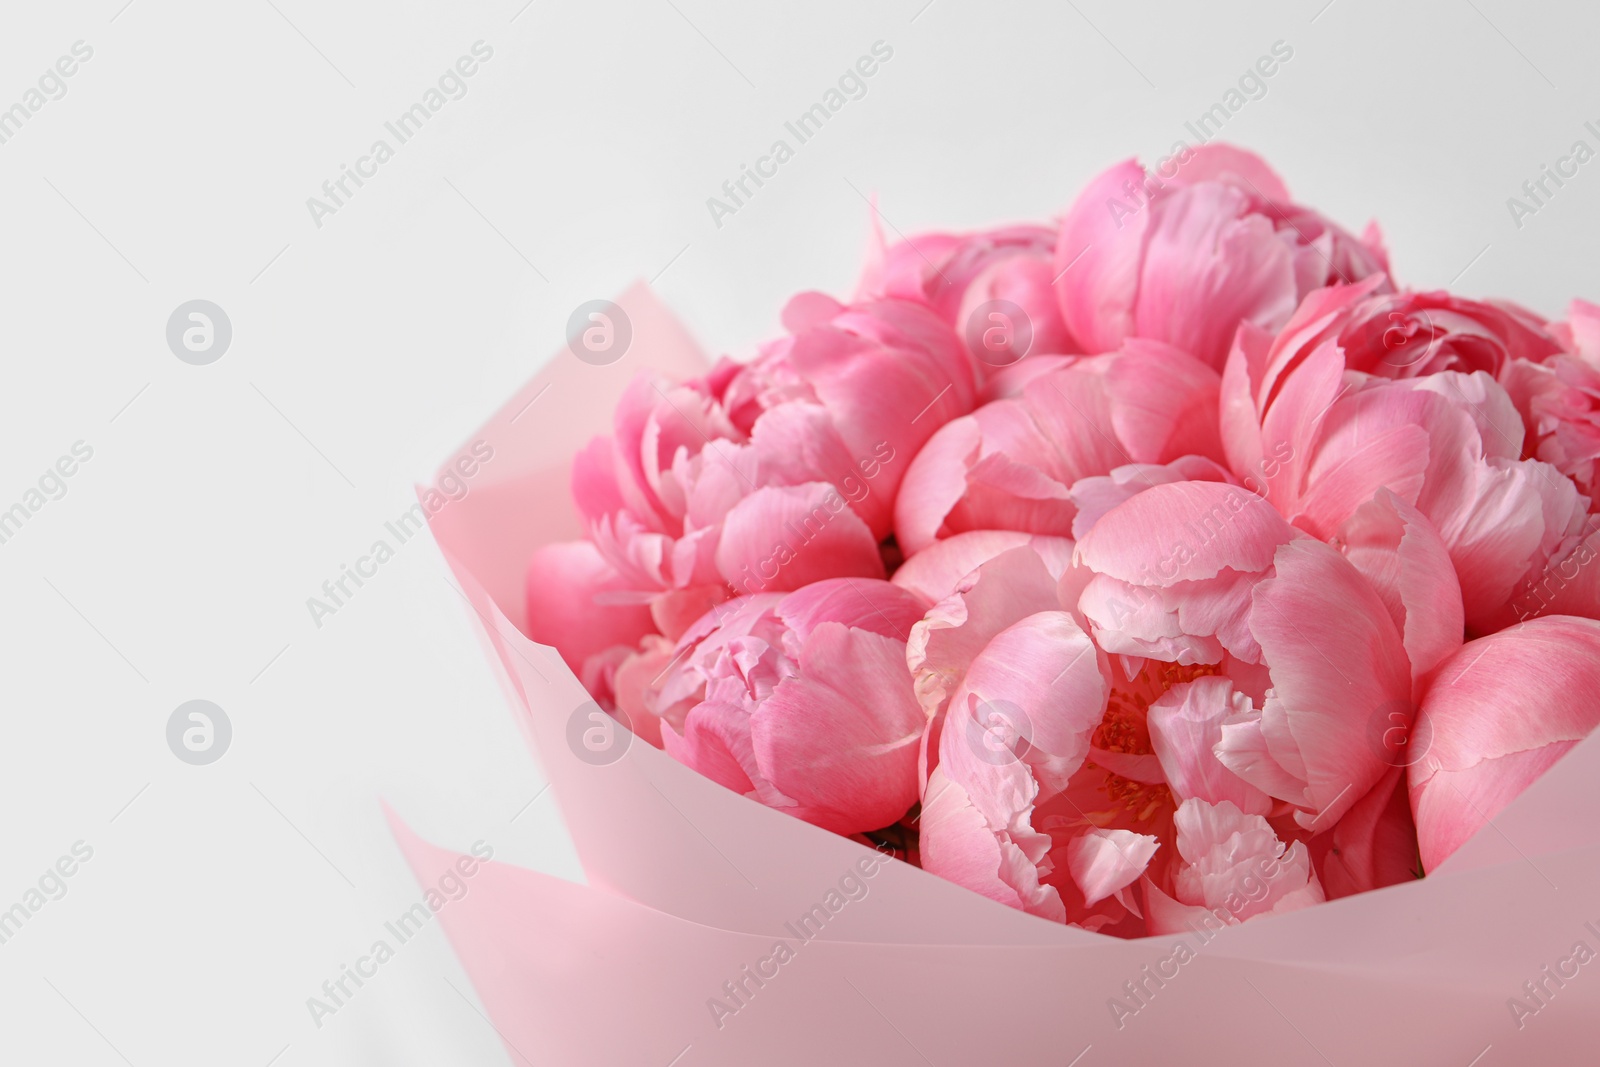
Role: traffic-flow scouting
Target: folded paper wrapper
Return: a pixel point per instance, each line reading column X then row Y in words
column 692, row 886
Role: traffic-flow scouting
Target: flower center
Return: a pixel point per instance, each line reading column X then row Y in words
column 1125, row 730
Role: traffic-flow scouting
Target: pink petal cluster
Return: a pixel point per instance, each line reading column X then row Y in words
column 1167, row 566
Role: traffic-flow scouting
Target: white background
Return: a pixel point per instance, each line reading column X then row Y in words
column 220, row 497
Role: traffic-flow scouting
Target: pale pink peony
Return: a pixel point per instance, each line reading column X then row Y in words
column 1186, row 257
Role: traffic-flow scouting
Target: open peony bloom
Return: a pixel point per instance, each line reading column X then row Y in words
column 992, row 287
column 1012, row 464
column 801, row 701
column 1199, row 654
column 1502, row 711
column 1185, row 257
column 1207, row 573
column 1321, row 439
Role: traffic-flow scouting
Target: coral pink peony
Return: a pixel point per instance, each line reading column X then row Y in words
column 801, row 701
column 1076, row 711
column 993, row 287
column 1011, row 464
column 1186, row 257
column 1322, row 439
column 768, row 476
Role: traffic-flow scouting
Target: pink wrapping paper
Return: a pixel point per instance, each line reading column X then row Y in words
column 692, row 886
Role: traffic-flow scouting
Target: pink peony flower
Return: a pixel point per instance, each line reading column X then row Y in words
column 992, row 287
column 1501, row 712
column 801, row 701
column 1186, row 257
column 1012, row 464
column 1404, row 335
column 769, row 476
column 1322, row 439
column 1075, row 711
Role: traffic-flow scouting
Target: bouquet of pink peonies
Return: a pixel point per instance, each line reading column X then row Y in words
column 1146, row 574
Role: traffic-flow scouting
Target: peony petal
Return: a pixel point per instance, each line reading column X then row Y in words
column 784, row 537
column 716, row 742
column 860, row 603
column 841, row 737
column 1105, row 861
column 1209, row 526
column 1405, row 560
column 1164, row 403
column 1209, row 265
column 959, row 846
column 1185, row 726
column 1338, row 665
column 935, row 572
column 934, row 483
column 1375, row 844
column 1098, row 258
column 567, row 606
column 1480, row 757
